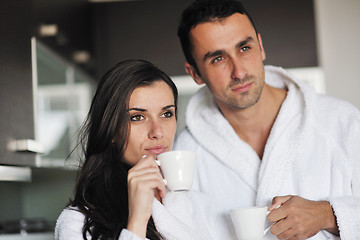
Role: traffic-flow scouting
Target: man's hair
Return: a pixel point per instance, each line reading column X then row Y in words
column 201, row 11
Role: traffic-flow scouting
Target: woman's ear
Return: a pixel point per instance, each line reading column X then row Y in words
column 193, row 73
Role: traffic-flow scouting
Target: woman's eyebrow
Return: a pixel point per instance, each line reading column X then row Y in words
column 137, row 109
column 144, row 110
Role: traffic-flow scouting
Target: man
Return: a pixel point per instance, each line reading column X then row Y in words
column 263, row 137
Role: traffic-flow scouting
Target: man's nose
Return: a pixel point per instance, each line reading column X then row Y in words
column 156, row 131
column 238, row 70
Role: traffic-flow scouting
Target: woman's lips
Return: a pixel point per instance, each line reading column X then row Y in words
column 242, row 88
column 156, row 150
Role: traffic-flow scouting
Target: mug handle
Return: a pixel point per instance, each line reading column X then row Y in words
column 267, row 229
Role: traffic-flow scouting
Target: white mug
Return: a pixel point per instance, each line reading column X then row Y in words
column 178, row 169
column 249, row 222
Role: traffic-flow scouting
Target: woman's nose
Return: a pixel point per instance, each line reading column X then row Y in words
column 156, row 131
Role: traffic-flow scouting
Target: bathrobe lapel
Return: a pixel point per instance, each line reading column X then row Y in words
column 228, row 147
column 286, row 134
column 260, row 175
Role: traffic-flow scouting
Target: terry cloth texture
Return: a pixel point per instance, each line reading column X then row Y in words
column 312, row 151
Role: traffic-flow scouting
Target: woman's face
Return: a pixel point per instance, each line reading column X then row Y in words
column 153, row 123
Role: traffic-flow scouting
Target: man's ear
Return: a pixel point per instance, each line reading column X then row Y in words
column 193, row 73
column 263, row 55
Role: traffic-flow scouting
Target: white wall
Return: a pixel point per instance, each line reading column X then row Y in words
column 338, row 40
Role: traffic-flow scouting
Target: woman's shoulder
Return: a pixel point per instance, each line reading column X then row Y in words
column 70, row 213
column 71, row 221
column 69, row 224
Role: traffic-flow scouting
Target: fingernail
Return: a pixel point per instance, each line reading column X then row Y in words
column 273, row 207
column 144, row 156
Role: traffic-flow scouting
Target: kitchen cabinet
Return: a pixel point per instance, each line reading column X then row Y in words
column 44, row 112
column 63, row 95
column 16, row 105
column 19, row 116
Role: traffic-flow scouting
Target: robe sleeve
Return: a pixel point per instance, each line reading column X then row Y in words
column 347, row 208
column 69, row 227
column 128, row 235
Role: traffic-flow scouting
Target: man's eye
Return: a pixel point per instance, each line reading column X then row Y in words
column 217, row 59
column 245, row 48
column 137, row 118
column 167, row 114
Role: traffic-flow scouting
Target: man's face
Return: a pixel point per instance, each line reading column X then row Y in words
column 229, row 57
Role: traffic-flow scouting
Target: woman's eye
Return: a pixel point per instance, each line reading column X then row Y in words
column 217, row 59
column 167, row 114
column 137, row 118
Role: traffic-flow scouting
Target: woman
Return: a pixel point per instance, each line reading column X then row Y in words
column 132, row 115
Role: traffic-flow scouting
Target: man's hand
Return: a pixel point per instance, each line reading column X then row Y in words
column 299, row 218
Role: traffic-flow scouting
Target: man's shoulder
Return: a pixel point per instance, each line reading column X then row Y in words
column 333, row 116
column 185, row 141
column 331, row 106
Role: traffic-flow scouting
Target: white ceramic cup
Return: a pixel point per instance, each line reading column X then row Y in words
column 178, row 168
column 249, row 222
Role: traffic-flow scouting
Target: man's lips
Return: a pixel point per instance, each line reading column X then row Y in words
column 156, row 150
column 242, row 88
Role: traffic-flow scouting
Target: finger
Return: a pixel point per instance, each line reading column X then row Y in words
column 277, row 214
column 146, row 165
column 146, row 162
column 162, row 190
column 151, row 184
column 144, row 174
column 278, row 201
column 280, row 227
column 288, row 234
column 145, row 186
column 147, row 175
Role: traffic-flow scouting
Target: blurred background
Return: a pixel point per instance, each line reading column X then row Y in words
column 53, row 53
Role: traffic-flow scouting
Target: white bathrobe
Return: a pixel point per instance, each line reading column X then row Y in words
column 182, row 216
column 70, row 223
column 313, row 151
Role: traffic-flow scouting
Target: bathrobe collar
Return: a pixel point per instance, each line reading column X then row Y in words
column 202, row 114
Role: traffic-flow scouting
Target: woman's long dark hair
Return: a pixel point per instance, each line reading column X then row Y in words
column 101, row 192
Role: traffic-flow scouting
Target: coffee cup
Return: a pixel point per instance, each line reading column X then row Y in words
column 178, row 169
column 249, row 222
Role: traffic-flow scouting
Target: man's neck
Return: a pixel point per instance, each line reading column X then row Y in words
column 253, row 124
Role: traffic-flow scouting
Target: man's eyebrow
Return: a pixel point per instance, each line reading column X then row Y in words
column 167, row 107
column 221, row 52
column 213, row 54
column 246, row 41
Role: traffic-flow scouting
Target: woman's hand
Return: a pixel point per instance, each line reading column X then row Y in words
column 144, row 179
